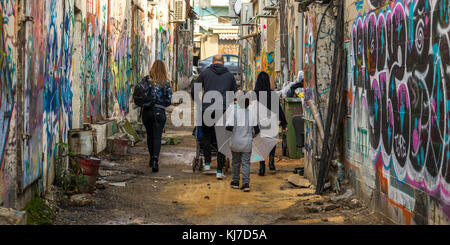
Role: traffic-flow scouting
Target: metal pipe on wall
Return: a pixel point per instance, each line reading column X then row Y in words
column 300, row 41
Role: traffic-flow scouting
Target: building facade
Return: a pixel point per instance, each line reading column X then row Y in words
column 396, row 147
column 214, row 32
column 271, row 40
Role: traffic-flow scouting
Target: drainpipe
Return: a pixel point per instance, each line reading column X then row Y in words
column 284, row 41
column 300, row 42
column 19, row 90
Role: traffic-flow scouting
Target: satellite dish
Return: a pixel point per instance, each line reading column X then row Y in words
column 238, row 7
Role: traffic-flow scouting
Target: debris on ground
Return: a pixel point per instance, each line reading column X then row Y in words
column 346, row 196
column 127, row 128
column 299, row 181
column 331, row 207
column 81, row 200
column 51, row 197
column 355, row 203
column 319, row 202
column 118, row 184
column 313, row 209
column 9, row 216
column 170, row 140
column 100, row 186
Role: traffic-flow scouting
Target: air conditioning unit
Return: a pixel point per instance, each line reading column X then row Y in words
column 186, row 26
column 179, row 11
column 231, row 10
column 246, row 13
column 235, row 22
column 267, row 7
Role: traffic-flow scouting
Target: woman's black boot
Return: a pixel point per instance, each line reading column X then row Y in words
column 150, row 163
column 262, row 169
column 155, row 167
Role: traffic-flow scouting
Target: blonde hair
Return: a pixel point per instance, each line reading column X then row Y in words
column 158, row 73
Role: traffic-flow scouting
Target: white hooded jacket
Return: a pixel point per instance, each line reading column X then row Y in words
column 243, row 122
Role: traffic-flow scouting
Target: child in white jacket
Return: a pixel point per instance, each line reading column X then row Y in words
column 243, row 124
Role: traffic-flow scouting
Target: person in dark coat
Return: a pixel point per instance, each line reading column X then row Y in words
column 215, row 78
column 263, row 85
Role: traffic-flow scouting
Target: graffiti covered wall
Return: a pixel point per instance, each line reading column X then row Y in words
column 95, row 60
column 317, row 66
column 120, row 58
column 398, row 150
column 184, row 58
column 8, row 101
column 76, row 66
column 48, row 93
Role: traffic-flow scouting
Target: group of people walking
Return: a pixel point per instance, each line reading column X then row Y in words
column 241, row 123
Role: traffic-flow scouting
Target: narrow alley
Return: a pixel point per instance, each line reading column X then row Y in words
column 335, row 112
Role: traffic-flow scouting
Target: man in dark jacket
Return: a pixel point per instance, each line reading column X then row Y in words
column 215, row 78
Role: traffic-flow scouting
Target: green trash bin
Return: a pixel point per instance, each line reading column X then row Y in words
column 292, row 107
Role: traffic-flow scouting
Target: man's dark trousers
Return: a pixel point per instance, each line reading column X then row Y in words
column 209, row 136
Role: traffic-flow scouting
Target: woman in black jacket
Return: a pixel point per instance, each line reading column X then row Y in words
column 154, row 116
column 263, row 85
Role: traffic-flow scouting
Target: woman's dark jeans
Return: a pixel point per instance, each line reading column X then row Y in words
column 154, row 120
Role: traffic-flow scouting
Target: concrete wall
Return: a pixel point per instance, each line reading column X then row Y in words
column 81, row 59
column 398, row 132
column 210, row 46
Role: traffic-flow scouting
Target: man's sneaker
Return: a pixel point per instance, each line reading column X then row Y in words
column 220, row 175
column 207, row 167
column 245, row 187
column 235, row 184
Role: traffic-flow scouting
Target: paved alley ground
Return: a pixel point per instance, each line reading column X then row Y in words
column 132, row 194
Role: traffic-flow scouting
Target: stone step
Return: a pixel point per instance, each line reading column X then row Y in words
column 10, row 216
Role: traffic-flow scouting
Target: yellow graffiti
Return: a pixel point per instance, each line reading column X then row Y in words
column 264, row 62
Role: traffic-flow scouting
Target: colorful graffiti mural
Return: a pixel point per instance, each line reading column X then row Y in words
column 6, row 90
column 309, row 41
column 100, row 41
column 8, row 101
column 34, row 91
column 96, row 60
column 120, row 64
column 184, row 63
column 265, row 62
column 48, row 100
column 401, row 71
